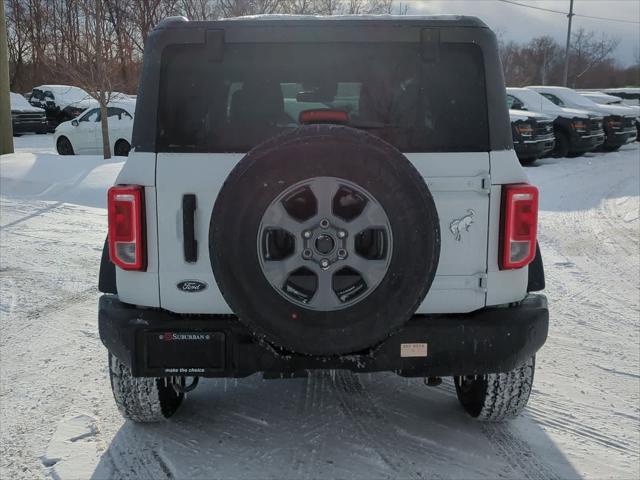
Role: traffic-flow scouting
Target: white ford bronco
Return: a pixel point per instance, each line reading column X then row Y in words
column 322, row 193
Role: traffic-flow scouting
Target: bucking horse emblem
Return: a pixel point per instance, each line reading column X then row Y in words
column 459, row 224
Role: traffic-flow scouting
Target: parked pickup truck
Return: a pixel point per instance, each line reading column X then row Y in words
column 619, row 121
column 533, row 136
column 576, row 131
column 610, row 99
column 25, row 118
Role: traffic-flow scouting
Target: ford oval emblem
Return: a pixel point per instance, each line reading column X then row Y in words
column 191, row 286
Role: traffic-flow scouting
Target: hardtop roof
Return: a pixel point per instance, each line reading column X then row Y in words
column 316, row 20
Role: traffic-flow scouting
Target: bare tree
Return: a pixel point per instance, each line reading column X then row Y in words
column 54, row 41
column 588, row 50
column 97, row 71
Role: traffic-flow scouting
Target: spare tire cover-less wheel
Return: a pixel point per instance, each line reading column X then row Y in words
column 324, row 240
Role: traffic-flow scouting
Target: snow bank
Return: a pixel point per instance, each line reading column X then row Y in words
column 80, row 179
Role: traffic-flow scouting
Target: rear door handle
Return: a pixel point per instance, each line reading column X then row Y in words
column 188, row 228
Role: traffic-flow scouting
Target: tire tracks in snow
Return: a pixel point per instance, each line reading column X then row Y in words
column 513, row 450
column 553, row 414
column 373, row 426
column 517, row 453
column 129, row 463
column 36, row 214
column 305, row 460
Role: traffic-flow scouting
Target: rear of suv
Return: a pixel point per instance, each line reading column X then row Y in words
column 345, row 195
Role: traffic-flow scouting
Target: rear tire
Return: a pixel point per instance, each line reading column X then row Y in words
column 64, row 146
column 142, row 399
column 497, row 396
column 341, row 155
column 121, row 148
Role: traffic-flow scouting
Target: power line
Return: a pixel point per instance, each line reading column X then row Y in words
column 607, row 19
column 550, row 10
column 533, row 7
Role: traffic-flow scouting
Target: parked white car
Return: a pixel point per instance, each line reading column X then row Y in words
column 83, row 135
column 619, row 121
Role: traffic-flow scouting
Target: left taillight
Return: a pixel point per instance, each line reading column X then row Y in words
column 125, row 208
column 519, row 226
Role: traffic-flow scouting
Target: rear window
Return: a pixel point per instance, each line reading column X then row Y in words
column 259, row 90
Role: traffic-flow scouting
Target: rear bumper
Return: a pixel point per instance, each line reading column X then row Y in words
column 155, row 343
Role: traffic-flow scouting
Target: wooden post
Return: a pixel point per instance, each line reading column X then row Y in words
column 6, row 128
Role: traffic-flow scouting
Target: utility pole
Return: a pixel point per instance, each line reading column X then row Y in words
column 566, row 51
column 6, row 131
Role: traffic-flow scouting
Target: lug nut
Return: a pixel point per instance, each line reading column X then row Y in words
column 342, row 254
column 306, row 253
column 342, row 234
column 306, row 234
column 324, row 263
column 324, row 223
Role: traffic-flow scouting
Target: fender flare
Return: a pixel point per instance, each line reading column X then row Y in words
column 536, row 273
column 107, row 276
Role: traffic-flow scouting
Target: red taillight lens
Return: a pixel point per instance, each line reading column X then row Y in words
column 125, row 208
column 519, row 225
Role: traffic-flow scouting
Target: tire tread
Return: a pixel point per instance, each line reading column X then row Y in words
column 141, row 399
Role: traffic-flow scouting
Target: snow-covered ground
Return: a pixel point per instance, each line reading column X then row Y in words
column 57, row 416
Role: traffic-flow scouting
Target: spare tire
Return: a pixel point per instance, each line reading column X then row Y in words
column 324, row 240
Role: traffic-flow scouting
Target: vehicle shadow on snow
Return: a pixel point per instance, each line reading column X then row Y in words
column 330, row 425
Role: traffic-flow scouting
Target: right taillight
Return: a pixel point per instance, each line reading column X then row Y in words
column 125, row 209
column 519, row 225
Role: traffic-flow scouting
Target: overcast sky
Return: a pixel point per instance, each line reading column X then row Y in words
column 521, row 23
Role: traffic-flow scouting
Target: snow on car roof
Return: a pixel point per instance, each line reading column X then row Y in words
column 604, row 96
column 526, row 114
column 454, row 20
column 623, row 90
column 551, row 87
column 285, row 16
column 66, row 95
column 18, row 102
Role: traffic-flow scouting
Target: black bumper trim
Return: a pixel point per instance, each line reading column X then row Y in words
column 620, row 137
column 587, row 142
column 534, row 149
column 490, row 340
